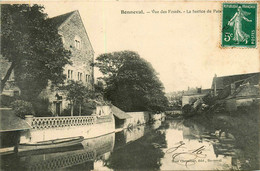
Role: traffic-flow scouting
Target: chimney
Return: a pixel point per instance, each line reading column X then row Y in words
column 215, row 84
column 232, row 88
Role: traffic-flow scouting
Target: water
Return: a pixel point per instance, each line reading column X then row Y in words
column 169, row 145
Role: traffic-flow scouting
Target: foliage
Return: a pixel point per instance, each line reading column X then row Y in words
column 86, row 110
column 22, row 108
column 33, row 47
column 77, row 93
column 131, row 82
column 5, row 101
column 41, row 107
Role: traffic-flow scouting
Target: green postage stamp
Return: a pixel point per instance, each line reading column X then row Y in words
column 239, row 25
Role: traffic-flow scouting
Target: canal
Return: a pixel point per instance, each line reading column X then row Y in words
column 169, row 145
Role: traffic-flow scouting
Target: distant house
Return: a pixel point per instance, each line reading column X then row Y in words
column 237, row 90
column 190, row 97
column 227, row 85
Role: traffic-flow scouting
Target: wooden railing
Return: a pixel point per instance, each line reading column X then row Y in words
column 59, row 122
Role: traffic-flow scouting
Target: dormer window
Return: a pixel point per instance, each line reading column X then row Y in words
column 77, row 42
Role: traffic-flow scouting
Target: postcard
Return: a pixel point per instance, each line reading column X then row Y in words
column 130, row 85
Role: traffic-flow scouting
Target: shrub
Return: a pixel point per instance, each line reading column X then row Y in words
column 41, row 107
column 86, row 110
column 5, row 100
column 22, row 108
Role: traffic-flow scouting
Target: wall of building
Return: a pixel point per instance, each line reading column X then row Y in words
column 191, row 98
column 249, row 90
column 233, row 104
column 83, row 56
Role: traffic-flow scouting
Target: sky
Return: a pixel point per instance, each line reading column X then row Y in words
column 183, row 48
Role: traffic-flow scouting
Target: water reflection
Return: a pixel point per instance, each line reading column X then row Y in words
column 197, row 151
column 141, row 152
column 82, row 156
column 171, row 145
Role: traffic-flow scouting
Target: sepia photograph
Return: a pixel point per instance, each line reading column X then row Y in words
column 129, row 85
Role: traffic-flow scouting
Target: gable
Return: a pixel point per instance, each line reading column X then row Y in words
column 58, row 20
column 73, row 26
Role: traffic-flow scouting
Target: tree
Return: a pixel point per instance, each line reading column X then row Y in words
column 131, row 82
column 76, row 93
column 33, row 47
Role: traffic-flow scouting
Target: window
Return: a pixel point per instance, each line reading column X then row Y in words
column 87, row 78
column 62, row 38
column 77, row 42
column 79, row 76
column 70, row 74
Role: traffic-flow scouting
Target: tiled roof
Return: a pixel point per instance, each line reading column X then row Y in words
column 10, row 122
column 58, row 20
column 222, row 82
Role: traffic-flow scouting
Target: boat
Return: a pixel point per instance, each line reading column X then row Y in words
column 56, row 143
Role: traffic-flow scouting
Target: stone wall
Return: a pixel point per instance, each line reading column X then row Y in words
column 138, row 118
column 49, row 128
column 83, row 56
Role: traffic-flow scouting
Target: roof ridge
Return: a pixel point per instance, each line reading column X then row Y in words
column 64, row 14
column 238, row 74
column 59, row 19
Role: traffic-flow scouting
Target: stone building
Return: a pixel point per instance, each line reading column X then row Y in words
column 237, row 90
column 75, row 39
column 227, row 85
column 189, row 97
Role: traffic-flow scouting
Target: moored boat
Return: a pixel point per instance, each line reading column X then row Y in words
column 63, row 142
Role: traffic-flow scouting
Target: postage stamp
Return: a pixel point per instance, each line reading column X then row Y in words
column 239, row 23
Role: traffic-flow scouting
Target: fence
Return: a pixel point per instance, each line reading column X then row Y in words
column 60, row 122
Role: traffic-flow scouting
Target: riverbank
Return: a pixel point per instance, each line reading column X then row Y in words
column 242, row 126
